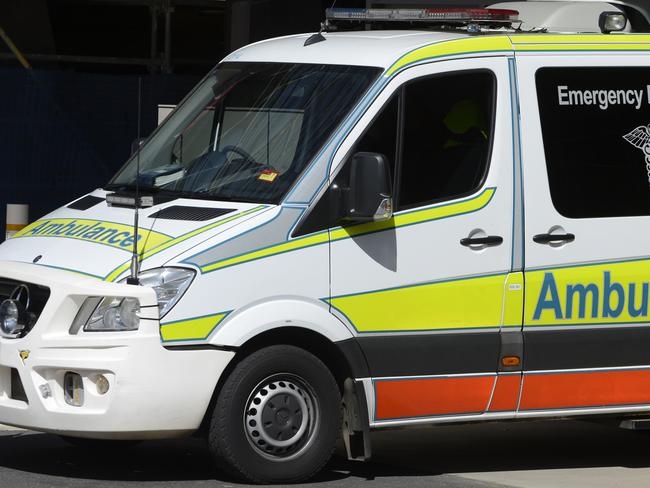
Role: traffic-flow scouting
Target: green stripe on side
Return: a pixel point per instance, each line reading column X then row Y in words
column 150, row 252
column 399, row 220
column 198, row 328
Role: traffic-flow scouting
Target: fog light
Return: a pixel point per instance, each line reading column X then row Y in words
column 73, row 389
column 612, row 22
column 46, row 391
column 102, row 384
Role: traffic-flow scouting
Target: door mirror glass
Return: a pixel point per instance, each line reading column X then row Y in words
column 369, row 196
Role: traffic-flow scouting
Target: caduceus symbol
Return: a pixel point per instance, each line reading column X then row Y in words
column 640, row 137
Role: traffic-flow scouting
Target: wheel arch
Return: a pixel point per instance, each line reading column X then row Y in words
column 344, row 359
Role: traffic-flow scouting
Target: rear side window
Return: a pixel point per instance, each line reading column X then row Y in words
column 596, row 132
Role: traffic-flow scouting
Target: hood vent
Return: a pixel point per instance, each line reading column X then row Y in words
column 180, row 212
column 85, row 203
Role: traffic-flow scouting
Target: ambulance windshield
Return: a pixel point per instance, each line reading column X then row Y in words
column 247, row 131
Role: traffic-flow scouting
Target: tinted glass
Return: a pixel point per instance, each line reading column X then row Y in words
column 446, row 137
column 596, row 139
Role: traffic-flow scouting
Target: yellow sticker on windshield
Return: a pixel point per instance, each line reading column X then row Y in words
column 268, row 175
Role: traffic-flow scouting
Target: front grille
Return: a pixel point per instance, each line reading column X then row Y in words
column 38, row 297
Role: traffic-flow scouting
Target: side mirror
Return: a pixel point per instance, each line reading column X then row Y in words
column 369, row 196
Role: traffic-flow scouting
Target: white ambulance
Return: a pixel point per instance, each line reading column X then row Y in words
column 349, row 231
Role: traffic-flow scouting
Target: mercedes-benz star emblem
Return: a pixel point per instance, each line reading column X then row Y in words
column 21, row 295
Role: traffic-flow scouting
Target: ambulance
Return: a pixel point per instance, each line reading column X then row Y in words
column 352, row 230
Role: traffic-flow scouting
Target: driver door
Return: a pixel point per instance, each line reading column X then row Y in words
column 424, row 291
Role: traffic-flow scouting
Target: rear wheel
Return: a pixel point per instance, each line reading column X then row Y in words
column 277, row 417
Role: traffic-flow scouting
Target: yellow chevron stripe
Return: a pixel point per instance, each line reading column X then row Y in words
column 399, row 220
column 197, row 328
column 117, row 272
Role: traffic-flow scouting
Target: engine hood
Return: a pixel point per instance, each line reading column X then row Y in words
column 94, row 239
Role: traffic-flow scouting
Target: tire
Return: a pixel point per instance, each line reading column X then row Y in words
column 99, row 444
column 277, row 418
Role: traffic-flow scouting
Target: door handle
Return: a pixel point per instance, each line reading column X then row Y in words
column 481, row 241
column 553, row 238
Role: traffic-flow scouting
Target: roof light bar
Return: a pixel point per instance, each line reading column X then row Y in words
column 440, row 15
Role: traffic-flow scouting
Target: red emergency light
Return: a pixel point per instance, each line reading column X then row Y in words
column 437, row 15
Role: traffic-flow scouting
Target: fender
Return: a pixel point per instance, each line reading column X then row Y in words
column 275, row 312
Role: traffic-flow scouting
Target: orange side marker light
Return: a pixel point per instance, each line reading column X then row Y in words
column 510, row 361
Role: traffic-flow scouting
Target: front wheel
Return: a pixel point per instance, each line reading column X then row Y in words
column 277, row 417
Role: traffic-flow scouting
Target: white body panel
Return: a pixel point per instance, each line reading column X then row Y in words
column 143, row 376
column 378, row 48
column 415, row 249
column 592, row 243
column 255, row 275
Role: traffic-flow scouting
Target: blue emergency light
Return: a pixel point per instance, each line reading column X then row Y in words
column 438, row 15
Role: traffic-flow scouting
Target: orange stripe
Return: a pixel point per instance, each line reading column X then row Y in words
column 506, row 393
column 16, row 226
column 588, row 389
column 432, row 396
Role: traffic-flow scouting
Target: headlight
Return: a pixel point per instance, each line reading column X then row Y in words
column 114, row 314
column 117, row 313
column 169, row 284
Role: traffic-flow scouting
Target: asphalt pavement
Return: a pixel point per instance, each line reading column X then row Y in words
column 526, row 454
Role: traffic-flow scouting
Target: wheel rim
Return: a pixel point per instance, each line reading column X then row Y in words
column 281, row 416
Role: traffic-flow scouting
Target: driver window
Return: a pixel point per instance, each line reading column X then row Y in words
column 448, row 126
column 380, row 137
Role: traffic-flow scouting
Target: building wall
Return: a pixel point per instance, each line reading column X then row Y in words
column 63, row 134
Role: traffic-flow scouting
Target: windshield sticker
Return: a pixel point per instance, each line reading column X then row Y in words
column 268, row 175
column 111, row 234
column 640, row 138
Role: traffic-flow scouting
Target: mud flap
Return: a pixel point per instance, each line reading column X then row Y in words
column 356, row 426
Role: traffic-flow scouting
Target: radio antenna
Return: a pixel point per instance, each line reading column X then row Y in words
column 135, row 259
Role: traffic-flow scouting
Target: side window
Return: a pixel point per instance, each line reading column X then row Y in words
column 380, row 137
column 596, row 139
column 447, row 132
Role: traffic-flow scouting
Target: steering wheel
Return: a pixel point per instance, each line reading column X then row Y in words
column 231, row 148
column 207, row 167
column 247, row 157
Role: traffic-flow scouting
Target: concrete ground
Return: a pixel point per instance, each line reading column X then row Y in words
column 527, row 455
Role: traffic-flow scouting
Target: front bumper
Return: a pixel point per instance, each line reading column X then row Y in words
column 154, row 392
